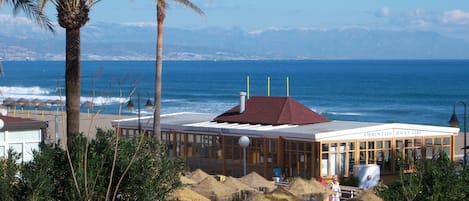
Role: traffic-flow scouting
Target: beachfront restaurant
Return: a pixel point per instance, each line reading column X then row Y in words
column 286, row 135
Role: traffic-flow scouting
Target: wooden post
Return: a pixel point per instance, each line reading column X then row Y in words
column 313, row 159
column 281, row 153
column 223, row 154
column 265, row 156
column 174, row 143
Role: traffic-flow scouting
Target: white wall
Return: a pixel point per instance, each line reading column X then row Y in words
column 23, row 142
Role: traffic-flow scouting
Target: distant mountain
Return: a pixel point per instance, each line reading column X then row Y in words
column 105, row 41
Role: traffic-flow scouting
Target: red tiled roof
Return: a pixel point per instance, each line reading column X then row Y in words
column 16, row 123
column 8, row 119
column 269, row 110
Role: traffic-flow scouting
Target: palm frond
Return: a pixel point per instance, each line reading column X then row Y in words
column 32, row 11
column 190, row 5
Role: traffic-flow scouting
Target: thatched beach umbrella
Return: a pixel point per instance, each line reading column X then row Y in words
column 57, row 102
column 367, row 195
column 36, row 102
column 257, row 181
column 198, row 175
column 242, row 189
column 281, row 193
column 214, row 190
column 28, row 104
column 21, row 102
column 321, row 192
column 237, row 185
column 305, row 189
column 259, row 197
column 9, row 102
column 186, row 181
column 87, row 104
column 9, row 99
column 186, row 194
column 44, row 105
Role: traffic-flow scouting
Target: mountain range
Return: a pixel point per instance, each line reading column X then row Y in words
column 108, row 41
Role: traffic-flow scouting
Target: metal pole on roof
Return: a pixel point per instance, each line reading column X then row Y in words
column 288, row 86
column 268, row 85
column 247, row 86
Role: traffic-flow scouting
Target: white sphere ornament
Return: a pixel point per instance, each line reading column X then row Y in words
column 1, row 123
column 244, row 141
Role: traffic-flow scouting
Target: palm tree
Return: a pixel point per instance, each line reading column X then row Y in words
column 72, row 15
column 160, row 16
column 31, row 11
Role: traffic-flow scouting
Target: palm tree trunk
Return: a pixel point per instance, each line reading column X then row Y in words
column 160, row 13
column 72, row 84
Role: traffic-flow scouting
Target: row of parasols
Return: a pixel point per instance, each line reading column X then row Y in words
column 199, row 185
column 37, row 103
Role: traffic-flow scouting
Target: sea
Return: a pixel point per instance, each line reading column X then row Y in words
column 403, row 91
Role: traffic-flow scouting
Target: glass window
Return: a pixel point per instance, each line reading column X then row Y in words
column 371, row 145
column 362, row 145
column 379, row 144
column 324, row 164
column 437, row 141
column 351, row 146
column 418, row 142
column 351, row 161
column 446, row 141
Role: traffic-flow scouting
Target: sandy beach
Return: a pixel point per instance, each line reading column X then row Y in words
column 89, row 122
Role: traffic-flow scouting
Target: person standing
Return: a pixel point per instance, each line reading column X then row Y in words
column 369, row 183
column 335, row 187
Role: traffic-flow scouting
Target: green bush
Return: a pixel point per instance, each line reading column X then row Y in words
column 106, row 168
column 437, row 179
column 9, row 176
column 350, row 181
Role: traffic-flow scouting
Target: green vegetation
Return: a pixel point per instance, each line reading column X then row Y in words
column 140, row 170
column 31, row 10
column 437, row 179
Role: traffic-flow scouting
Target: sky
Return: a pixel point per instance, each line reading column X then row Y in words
column 448, row 17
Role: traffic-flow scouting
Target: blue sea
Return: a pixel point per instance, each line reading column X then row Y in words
column 407, row 91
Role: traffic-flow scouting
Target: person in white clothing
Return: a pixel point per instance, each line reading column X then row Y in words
column 335, row 187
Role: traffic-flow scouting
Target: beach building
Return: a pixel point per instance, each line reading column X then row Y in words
column 21, row 135
column 286, row 135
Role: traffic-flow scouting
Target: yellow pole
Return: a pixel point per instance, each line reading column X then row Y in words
column 14, row 111
column 28, row 113
column 268, row 85
column 288, row 87
column 42, row 115
column 247, row 86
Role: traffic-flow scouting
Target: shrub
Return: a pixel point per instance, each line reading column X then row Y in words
column 106, row 168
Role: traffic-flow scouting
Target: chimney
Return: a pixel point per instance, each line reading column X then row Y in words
column 242, row 101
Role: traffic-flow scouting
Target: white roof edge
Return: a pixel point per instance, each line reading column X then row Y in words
column 379, row 130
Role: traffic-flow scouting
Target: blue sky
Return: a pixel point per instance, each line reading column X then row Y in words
column 448, row 17
column 261, row 14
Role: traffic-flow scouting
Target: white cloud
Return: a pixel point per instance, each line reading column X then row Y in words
column 139, row 24
column 455, row 17
column 383, row 12
column 12, row 20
